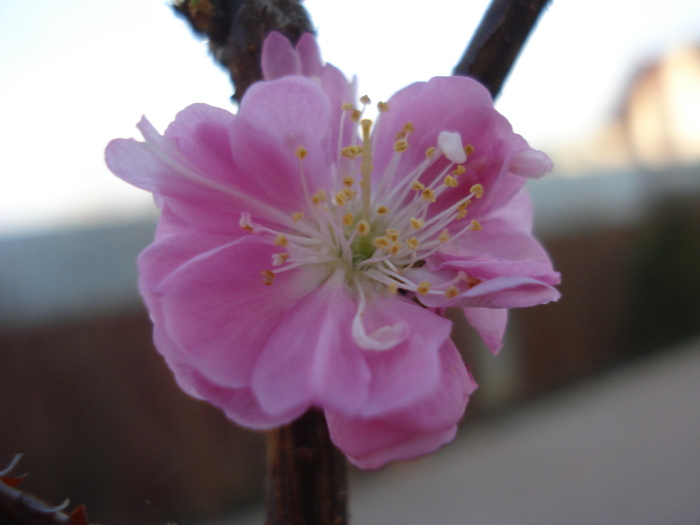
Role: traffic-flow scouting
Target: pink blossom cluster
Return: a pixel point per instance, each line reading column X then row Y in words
column 305, row 255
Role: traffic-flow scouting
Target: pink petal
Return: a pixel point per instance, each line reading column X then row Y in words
column 310, row 358
column 490, row 323
column 310, row 56
column 279, row 58
column 217, row 309
column 413, row 431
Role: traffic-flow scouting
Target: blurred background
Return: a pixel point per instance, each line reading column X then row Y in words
column 610, row 89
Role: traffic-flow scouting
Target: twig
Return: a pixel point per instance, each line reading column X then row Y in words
column 498, row 40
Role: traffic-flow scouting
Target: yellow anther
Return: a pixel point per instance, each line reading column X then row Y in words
column 392, row 288
column 341, row 198
column 363, row 227
column 351, row 152
column 345, row 152
column 383, row 107
column 279, row 258
column 444, row 236
column 382, row 242
column 348, row 219
column 364, row 99
column 297, row 216
column 346, row 106
column 348, row 181
column 412, row 243
column 319, row 196
column 423, row 288
column 349, row 193
column 400, row 146
column 408, row 127
column 395, row 248
column 458, row 170
column 244, row 223
column 461, row 213
column 281, row 240
column 382, row 210
column 477, row 190
column 468, row 149
column 268, row 277
column 429, row 152
column 392, row 234
column 471, row 281
column 428, row 195
column 401, row 135
column 451, row 292
column 300, row 152
column 476, row 226
column 416, row 185
column 416, row 223
column 450, row 181
column 355, row 115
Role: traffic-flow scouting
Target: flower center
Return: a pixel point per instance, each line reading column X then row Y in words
column 377, row 232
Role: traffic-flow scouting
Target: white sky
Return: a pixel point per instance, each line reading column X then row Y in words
column 76, row 73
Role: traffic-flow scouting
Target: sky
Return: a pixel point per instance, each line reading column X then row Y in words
column 75, row 74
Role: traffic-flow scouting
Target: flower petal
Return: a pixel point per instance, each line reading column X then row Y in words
column 279, row 58
column 412, row 431
column 490, row 323
column 310, row 358
column 217, row 309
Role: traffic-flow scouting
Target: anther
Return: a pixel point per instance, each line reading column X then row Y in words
column 300, row 152
column 468, row 149
column 281, row 240
column 412, row 243
column 476, row 226
column 382, row 210
column 383, row 107
column 395, row 248
column 423, row 288
column 364, row 99
column 349, row 193
column 416, row 223
column 279, row 258
column 444, row 236
column 381, row 242
column 428, row 195
column 319, row 196
column 346, row 106
column 400, row 146
column 355, row 115
column 297, row 216
column 392, row 288
column 458, row 170
column 245, row 223
column 363, row 228
column 348, row 181
column 392, row 234
column 429, row 152
column 451, row 292
column 450, row 181
column 348, row 219
column 268, row 277
column 417, row 186
column 408, row 127
column 340, row 198
column 477, row 190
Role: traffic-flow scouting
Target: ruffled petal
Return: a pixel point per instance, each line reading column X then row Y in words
column 310, row 358
column 490, row 324
column 416, row 430
column 217, row 309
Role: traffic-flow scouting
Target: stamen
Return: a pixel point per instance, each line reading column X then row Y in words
column 348, row 181
column 355, row 115
column 418, row 186
column 382, row 210
column 468, row 149
column 346, row 106
column 477, row 190
column 363, row 228
column 392, row 234
column 348, row 219
column 428, row 195
column 365, row 100
column 450, row 181
column 300, row 152
column 476, row 226
column 279, row 259
column 400, row 146
column 268, row 277
column 412, row 243
column 423, row 288
column 245, row 223
column 444, row 236
column 366, row 167
column 417, row 223
column 392, row 288
column 429, row 152
column 340, row 198
column 452, row 292
column 395, row 248
column 319, row 196
column 281, row 240
column 382, row 242
column 383, row 107
column 297, row 216
column 459, row 170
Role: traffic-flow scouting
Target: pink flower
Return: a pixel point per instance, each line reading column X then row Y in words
column 299, row 263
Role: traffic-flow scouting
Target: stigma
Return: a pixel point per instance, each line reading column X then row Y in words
column 375, row 227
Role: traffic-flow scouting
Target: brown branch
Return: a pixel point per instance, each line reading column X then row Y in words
column 236, row 30
column 498, row 40
column 307, row 479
